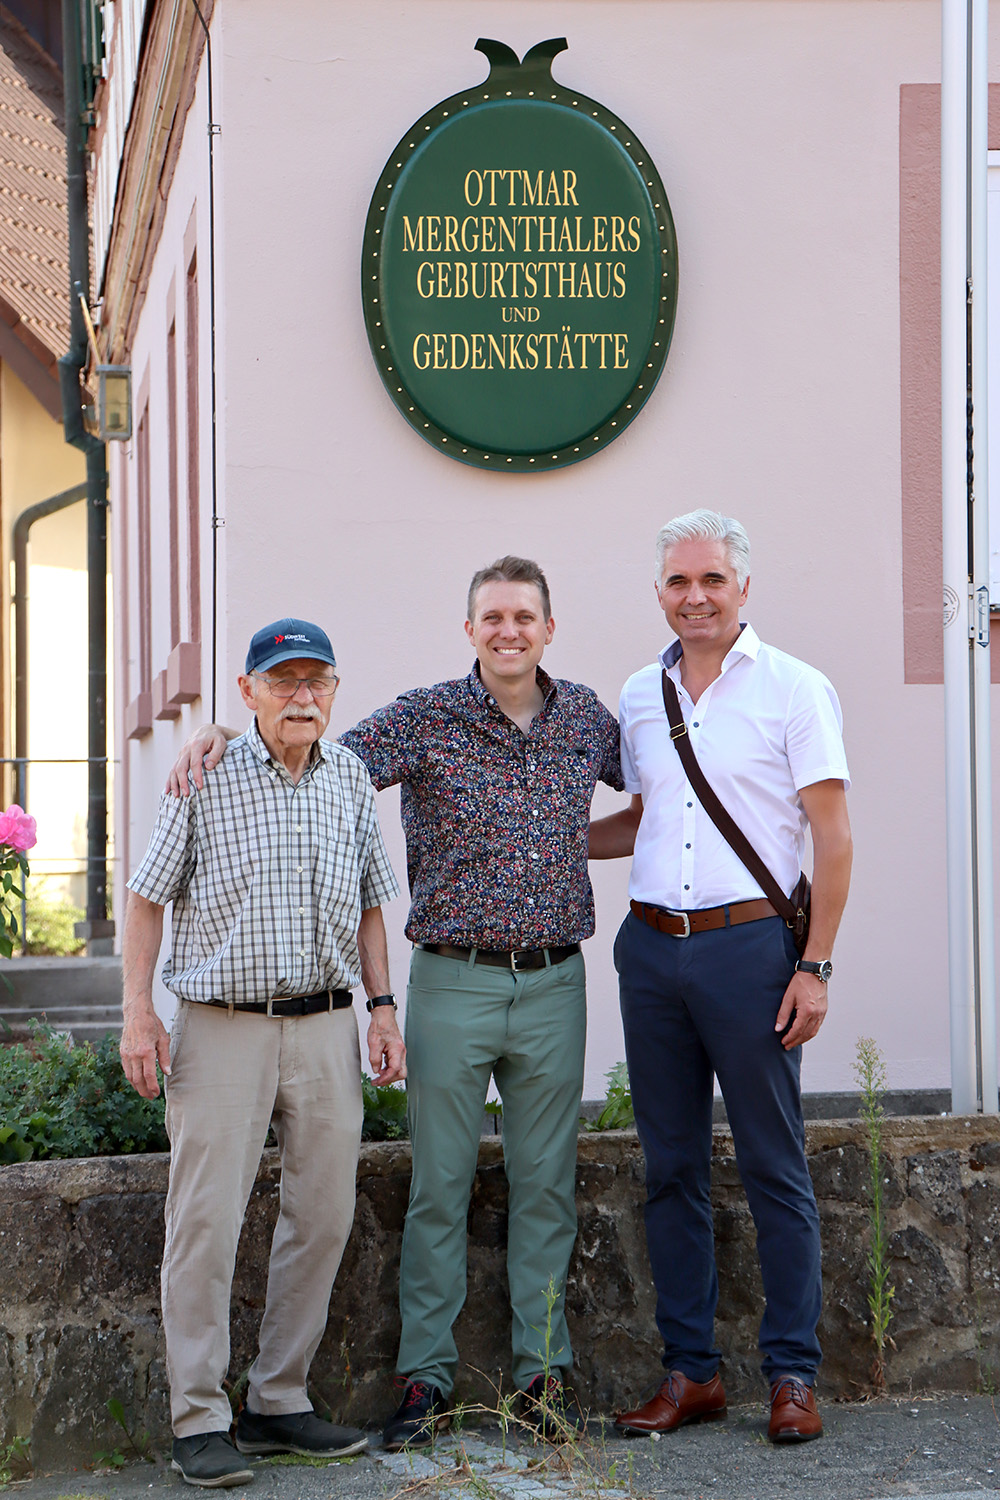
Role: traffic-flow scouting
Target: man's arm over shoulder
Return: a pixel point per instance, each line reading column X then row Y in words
column 389, row 741
column 200, row 752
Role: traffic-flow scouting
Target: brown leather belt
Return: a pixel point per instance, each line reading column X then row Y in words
column 517, row 959
column 295, row 1005
column 684, row 923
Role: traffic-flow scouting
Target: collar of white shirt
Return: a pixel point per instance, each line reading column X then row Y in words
column 747, row 643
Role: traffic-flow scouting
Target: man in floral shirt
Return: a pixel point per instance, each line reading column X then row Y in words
column 497, row 772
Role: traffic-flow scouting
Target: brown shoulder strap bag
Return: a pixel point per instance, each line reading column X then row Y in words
column 795, row 908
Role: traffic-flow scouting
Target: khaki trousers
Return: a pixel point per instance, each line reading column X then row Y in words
column 231, row 1077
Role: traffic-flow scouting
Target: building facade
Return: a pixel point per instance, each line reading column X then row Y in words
column 269, row 473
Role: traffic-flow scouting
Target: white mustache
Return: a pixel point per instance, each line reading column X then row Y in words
column 301, row 711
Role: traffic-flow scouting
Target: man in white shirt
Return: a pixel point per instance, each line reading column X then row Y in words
column 711, row 982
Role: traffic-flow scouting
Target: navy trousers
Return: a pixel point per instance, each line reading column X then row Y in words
column 693, row 1007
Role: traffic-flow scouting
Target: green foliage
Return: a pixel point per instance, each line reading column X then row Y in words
column 617, row 1113
column 61, row 1100
column 385, row 1112
column 48, row 926
column 15, row 1461
column 869, row 1070
column 11, row 896
column 138, row 1440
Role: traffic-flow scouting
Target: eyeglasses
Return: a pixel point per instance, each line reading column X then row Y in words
column 287, row 687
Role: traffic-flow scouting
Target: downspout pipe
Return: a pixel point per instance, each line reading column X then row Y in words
column 965, row 552
column 96, row 929
column 19, row 546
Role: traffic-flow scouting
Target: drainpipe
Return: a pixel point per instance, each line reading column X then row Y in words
column 22, row 526
column 965, row 557
column 96, row 929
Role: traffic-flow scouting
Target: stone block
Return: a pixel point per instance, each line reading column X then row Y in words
column 926, row 1291
column 934, row 1178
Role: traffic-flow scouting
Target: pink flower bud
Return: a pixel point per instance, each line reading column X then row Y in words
column 17, row 829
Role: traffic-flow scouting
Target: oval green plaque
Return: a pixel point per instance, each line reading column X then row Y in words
column 519, row 270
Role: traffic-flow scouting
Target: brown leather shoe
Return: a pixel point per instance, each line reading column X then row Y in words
column 794, row 1418
column 678, row 1400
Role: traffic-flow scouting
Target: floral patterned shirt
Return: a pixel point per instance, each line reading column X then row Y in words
column 496, row 821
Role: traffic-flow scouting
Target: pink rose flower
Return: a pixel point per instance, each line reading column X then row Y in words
column 17, row 829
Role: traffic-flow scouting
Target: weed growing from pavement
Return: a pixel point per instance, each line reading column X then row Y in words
column 566, row 1455
column 137, row 1441
column 989, row 1371
column 869, row 1070
column 15, row 1461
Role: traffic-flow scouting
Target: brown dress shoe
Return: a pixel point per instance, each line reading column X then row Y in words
column 678, row 1400
column 794, row 1418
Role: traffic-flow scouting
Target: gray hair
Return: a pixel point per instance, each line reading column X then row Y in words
column 711, row 526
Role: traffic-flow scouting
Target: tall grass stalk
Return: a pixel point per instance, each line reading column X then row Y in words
column 869, row 1070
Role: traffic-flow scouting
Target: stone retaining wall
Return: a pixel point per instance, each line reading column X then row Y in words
column 80, row 1245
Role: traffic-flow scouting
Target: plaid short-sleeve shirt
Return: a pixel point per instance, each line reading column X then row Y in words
column 268, row 879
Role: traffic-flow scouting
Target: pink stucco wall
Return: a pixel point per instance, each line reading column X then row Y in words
column 775, row 126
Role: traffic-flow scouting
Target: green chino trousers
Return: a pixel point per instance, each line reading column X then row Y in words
column 464, row 1023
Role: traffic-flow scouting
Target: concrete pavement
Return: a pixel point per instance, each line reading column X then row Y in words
column 938, row 1447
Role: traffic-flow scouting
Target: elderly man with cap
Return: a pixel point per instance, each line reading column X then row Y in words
column 276, row 872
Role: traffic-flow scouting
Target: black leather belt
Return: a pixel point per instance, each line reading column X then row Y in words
column 517, row 959
column 297, row 1005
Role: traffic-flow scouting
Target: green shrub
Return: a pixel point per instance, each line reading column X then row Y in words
column 49, row 925
column 617, row 1113
column 385, row 1112
column 61, row 1100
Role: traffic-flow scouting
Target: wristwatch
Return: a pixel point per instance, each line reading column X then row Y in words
column 380, row 1000
column 823, row 969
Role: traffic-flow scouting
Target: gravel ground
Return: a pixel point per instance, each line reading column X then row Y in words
column 939, row 1447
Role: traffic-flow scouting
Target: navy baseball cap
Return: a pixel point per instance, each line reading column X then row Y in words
column 288, row 640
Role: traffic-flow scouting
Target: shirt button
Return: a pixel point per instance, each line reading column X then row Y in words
column 298, row 869
column 534, row 854
column 687, row 887
column 298, row 828
column 695, row 724
column 302, row 911
column 302, row 953
column 534, row 812
column 690, row 804
column 687, row 846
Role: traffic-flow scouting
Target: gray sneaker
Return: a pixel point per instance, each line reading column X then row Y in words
column 209, row 1459
column 296, row 1432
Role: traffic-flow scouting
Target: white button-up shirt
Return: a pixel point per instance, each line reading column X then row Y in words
column 766, row 727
